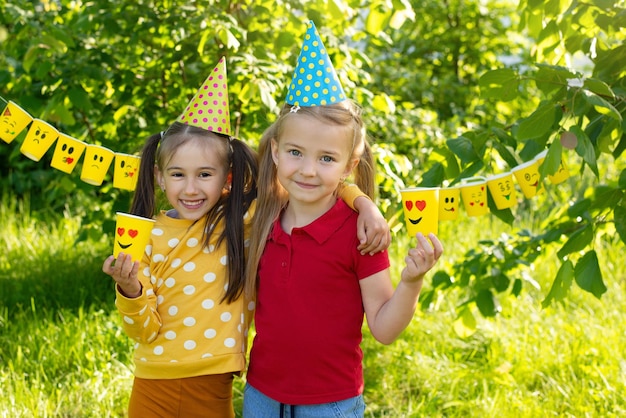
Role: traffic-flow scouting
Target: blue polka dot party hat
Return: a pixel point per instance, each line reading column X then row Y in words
column 315, row 81
column 209, row 108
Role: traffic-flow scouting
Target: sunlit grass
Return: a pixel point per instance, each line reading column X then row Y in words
column 63, row 352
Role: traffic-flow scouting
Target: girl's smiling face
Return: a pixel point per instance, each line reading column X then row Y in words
column 312, row 158
column 194, row 178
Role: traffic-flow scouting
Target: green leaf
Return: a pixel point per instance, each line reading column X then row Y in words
column 619, row 218
column 384, row 103
column 550, row 78
column 465, row 324
column 561, row 285
column 577, row 241
column 505, row 215
column 598, row 87
column 538, row 123
column 502, row 84
column 442, row 279
column 433, row 177
column 588, row 274
column 463, row 148
column 606, row 197
column 602, row 106
column 585, row 149
column 377, row 19
column 622, row 179
column 552, row 162
column 487, row 304
column 506, row 153
column 79, row 99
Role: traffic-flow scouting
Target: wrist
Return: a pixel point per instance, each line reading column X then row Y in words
column 130, row 293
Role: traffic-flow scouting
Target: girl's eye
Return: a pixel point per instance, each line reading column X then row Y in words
column 327, row 159
column 205, row 175
column 294, row 152
column 177, row 174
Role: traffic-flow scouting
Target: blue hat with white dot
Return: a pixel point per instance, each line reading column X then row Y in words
column 315, row 81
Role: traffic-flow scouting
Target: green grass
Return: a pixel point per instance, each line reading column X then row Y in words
column 63, row 352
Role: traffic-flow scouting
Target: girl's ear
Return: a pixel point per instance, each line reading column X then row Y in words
column 229, row 181
column 350, row 167
column 274, row 145
column 159, row 178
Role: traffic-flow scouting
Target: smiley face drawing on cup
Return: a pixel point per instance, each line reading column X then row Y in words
column 421, row 210
column 132, row 234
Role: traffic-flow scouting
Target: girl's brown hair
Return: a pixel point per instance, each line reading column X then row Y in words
column 230, row 209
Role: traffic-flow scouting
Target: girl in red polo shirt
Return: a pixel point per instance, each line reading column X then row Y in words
column 313, row 285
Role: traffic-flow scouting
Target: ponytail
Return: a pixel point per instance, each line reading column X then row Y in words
column 144, row 199
column 234, row 205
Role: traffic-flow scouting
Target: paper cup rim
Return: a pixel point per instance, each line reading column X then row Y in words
column 123, row 154
column 524, row 165
column 418, row 189
column 472, row 181
column 137, row 217
column 498, row 176
column 19, row 107
column 541, row 155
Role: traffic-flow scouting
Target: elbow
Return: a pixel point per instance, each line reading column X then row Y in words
column 385, row 339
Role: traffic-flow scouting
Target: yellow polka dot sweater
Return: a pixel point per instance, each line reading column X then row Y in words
column 180, row 327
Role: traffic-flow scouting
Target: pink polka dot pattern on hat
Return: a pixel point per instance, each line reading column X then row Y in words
column 210, row 100
column 315, row 82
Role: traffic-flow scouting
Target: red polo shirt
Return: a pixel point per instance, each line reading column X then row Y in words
column 309, row 311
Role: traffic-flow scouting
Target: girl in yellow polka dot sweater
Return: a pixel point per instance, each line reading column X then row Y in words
column 183, row 303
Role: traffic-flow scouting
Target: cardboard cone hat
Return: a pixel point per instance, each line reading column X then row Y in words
column 209, row 108
column 315, row 81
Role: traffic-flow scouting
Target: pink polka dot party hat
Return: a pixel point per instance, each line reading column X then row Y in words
column 315, row 82
column 209, row 108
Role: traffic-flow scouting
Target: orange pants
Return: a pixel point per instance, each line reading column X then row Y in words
column 203, row 396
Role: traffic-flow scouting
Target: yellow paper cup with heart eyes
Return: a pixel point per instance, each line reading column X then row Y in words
column 527, row 176
column 13, row 121
column 39, row 138
column 562, row 173
column 96, row 164
column 125, row 171
column 66, row 153
column 449, row 200
column 421, row 210
column 502, row 190
column 132, row 234
column 474, row 196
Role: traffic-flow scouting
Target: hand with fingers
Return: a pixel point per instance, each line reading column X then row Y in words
column 422, row 258
column 124, row 271
column 372, row 228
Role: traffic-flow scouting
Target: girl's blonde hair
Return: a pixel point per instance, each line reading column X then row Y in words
column 272, row 197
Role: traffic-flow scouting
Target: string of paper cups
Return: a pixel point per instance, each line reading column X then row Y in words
column 97, row 160
column 423, row 207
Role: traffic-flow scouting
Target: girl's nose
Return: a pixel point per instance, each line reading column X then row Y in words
column 307, row 167
column 190, row 186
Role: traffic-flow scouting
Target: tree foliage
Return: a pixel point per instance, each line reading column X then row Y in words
column 450, row 89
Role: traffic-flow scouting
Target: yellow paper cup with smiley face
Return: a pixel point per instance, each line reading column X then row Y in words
column 421, row 210
column 502, row 190
column 39, row 138
column 474, row 196
column 13, row 121
column 125, row 171
column 527, row 176
column 67, row 153
column 132, row 234
column 96, row 164
column 449, row 200
column 562, row 173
